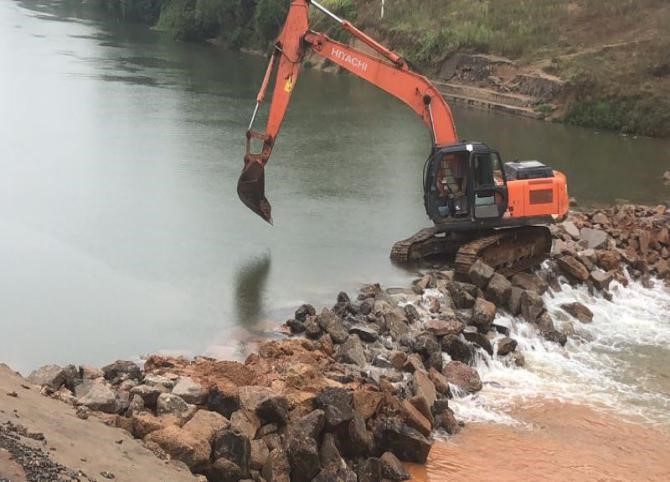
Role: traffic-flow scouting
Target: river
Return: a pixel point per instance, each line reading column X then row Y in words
column 122, row 233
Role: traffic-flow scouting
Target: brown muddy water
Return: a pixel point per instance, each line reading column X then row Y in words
column 557, row 442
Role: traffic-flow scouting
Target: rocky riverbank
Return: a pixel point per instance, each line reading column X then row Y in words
column 359, row 388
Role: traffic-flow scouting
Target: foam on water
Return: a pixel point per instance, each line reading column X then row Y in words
column 603, row 364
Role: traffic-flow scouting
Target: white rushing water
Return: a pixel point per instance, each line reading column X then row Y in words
column 620, row 361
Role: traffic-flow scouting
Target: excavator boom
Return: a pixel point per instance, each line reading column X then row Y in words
column 390, row 73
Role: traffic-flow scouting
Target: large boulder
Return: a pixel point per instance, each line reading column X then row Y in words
column 571, row 229
column 122, row 369
column 366, row 402
column 259, row 454
column 246, row 422
column 366, row 333
column 609, row 260
column 457, row 348
column 462, row 294
column 277, row 468
column 224, row 470
column 359, row 442
column 352, row 352
column 579, row 311
column 479, row 339
column 483, row 314
column 143, row 423
column 99, row 397
column 530, row 281
column 439, row 327
column 440, row 382
column 514, row 300
column 532, row 306
column 424, row 387
column 506, row 346
column 406, row 443
column 498, row 289
column 337, row 404
column 169, row 404
column 332, row 324
column 425, row 344
column 190, row 391
column 303, row 457
column 573, row 268
column 415, row 419
column 182, row 445
column 392, row 468
column 205, row 424
column 480, row 273
column 52, row 376
column 594, row 238
column 234, row 446
column 148, row 393
column 310, row 425
column 601, row 279
column 463, row 376
column 304, row 311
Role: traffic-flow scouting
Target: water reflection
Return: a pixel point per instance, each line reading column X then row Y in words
column 250, row 281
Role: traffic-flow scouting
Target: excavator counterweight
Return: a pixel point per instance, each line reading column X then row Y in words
column 482, row 208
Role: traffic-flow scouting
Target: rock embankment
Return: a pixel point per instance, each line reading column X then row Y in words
column 362, row 386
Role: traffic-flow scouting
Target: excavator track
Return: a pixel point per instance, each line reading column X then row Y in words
column 508, row 251
column 402, row 251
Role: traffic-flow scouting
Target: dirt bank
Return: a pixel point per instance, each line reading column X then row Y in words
column 561, row 442
column 85, row 449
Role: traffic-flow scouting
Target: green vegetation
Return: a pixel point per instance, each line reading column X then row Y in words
column 613, row 53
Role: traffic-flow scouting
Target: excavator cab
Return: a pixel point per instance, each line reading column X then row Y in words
column 464, row 182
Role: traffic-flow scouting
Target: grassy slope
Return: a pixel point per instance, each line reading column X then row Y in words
column 615, row 54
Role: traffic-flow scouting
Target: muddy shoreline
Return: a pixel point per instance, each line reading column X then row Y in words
column 356, row 390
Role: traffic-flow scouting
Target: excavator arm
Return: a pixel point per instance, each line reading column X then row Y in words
column 390, row 73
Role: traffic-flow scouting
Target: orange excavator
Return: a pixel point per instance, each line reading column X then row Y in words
column 481, row 207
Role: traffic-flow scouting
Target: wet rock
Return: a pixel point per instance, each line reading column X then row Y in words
column 296, row 326
column 532, row 306
column 415, row 419
column 530, row 281
column 223, row 402
column 245, row 422
column 404, row 442
column 182, row 446
column 303, row 457
column 483, row 314
column 546, row 326
column 498, row 289
column 425, row 344
column 392, row 468
column 332, row 324
column 395, row 323
column 413, row 363
column 52, row 376
column 463, row 376
column 457, row 349
column 411, row 313
column 366, row 402
column 514, row 300
column 447, row 421
column 423, row 386
column 573, row 268
column 473, row 336
column 205, row 425
column 169, row 404
column 440, row 327
column 234, row 446
column 190, row 391
column 304, row 311
column 122, row 368
column 312, row 328
column 480, row 273
column 365, row 333
column 277, row 468
column 224, row 470
column 601, row 279
column 609, row 260
column 352, row 352
column 100, row 397
column 594, row 238
column 506, row 346
column 440, row 382
column 423, row 284
column 337, row 404
column 579, row 311
column 462, row 294
column 369, row 470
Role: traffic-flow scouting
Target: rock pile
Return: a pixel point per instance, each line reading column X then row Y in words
column 360, row 387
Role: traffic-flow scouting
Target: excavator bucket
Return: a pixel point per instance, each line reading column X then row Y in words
column 251, row 189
